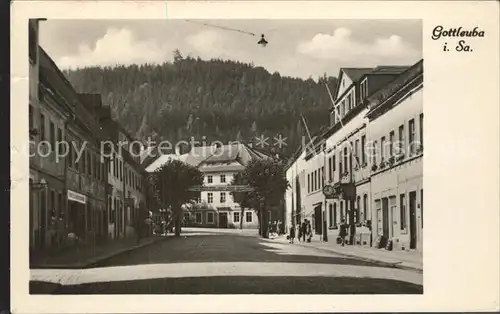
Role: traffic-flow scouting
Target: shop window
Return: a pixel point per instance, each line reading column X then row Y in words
column 210, row 217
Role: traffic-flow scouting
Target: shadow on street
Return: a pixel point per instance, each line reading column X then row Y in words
column 241, row 285
column 191, row 248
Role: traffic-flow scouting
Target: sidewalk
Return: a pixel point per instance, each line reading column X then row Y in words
column 411, row 260
column 86, row 256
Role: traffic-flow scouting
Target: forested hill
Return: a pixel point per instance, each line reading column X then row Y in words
column 221, row 100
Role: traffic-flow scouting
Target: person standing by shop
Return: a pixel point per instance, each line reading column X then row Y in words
column 343, row 232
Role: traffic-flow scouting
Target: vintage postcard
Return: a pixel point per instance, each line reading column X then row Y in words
column 249, row 156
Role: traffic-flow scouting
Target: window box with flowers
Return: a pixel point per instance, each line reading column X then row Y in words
column 382, row 164
column 420, row 149
column 33, row 133
column 374, row 167
column 391, row 160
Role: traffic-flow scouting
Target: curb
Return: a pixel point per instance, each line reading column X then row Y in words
column 127, row 250
column 99, row 260
column 366, row 259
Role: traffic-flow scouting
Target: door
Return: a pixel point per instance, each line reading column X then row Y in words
column 413, row 220
column 318, row 219
column 385, row 218
column 43, row 218
column 222, row 220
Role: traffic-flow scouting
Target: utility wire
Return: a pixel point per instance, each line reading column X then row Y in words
column 222, row 27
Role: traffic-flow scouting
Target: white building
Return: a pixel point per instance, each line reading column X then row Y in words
column 396, row 131
column 340, row 158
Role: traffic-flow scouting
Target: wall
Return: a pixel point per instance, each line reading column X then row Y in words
column 401, row 178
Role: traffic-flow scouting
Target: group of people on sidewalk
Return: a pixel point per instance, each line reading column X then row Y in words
column 304, row 232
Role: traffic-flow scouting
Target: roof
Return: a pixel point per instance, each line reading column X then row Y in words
column 405, row 78
column 163, row 159
column 226, row 167
column 389, row 69
column 356, row 73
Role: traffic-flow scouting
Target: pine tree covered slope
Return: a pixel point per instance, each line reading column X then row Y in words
column 208, row 100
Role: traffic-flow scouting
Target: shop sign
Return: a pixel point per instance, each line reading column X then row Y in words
column 77, row 197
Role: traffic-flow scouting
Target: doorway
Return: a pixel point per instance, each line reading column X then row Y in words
column 43, row 218
column 318, row 217
column 413, row 220
column 222, row 220
column 385, row 218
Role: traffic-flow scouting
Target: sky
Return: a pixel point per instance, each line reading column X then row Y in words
column 297, row 48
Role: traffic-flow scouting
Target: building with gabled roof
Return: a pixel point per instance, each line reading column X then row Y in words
column 337, row 157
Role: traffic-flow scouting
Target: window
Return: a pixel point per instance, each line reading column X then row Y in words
column 308, row 183
column 198, row 218
column 89, row 164
column 374, row 153
column 422, row 207
column 356, row 150
column 364, row 89
column 334, row 214
column 222, row 178
column 314, row 180
column 323, row 175
column 210, row 179
column 340, row 166
column 357, row 211
column 248, row 217
column 210, row 197
column 222, row 197
column 411, row 136
column 33, row 46
column 42, row 127
column 402, row 211
column 363, row 151
column 53, row 205
column 421, row 124
column 120, row 168
column 236, row 217
column 31, row 117
column 60, row 139
column 210, row 217
column 52, row 135
column 391, row 140
column 330, row 215
column 84, row 163
column 345, row 159
column 401, row 138
column 365, row 207
column 349, row 104
column 341, row 210
column 382, row 144
column 353, row 104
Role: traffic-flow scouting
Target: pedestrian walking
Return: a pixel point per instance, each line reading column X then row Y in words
column 303, row 230
column 309, row 231
column 343, row 232
column 299, row 232
column 292, row 234
column 352, row 234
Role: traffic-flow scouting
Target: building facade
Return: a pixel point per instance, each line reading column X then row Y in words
column 344, row 157
column 396, row 133
column 219, row 208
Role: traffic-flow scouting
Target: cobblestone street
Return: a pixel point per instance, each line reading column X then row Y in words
column 215, row 262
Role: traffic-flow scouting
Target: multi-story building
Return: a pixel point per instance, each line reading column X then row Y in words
column 49, row 113
column 218, row 208
column 340, row 156
column 396, row 133
column 69, row 198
